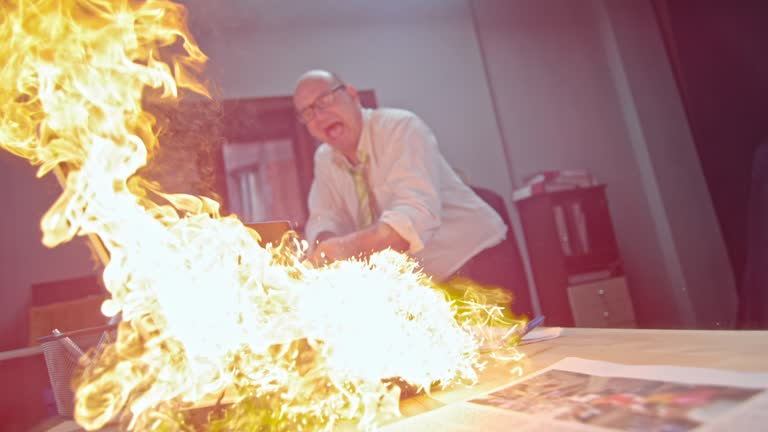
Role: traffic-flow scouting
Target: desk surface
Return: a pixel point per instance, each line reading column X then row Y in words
column 718, row 349
column 732, row 350
column 722, row 349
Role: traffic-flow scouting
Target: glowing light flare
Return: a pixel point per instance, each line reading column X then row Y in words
column 380, row 332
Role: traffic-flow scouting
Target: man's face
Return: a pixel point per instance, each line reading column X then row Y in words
column 331, row 112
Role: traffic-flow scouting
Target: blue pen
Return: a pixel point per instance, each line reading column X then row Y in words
column 532, row 324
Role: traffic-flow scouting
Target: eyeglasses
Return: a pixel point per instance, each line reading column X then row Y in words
column 323, row 101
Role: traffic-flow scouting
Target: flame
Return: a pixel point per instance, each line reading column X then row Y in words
column 207, row 314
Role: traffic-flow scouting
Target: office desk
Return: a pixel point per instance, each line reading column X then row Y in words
column 745, row 351
column 732, row 350
column 721, row 349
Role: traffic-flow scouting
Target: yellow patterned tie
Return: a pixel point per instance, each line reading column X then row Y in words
column 365, row 204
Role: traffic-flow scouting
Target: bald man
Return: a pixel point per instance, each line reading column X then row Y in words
column 381, row 182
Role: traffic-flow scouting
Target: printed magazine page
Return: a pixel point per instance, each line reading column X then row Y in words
column 577, row 395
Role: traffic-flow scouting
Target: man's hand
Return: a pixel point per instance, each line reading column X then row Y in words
column 330, row 250
column 376, row 237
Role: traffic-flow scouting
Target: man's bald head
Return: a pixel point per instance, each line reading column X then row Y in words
column 330, row 109
column 317, row 75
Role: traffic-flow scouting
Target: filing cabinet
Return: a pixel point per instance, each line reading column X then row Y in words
column 574, row 257
column 604, row 303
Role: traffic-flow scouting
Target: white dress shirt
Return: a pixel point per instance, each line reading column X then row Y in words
column 417, row 192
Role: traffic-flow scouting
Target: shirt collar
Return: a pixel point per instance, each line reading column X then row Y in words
column 363, row 145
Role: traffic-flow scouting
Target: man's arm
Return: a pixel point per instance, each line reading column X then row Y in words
column 415, row 212
column 323, row 203
column 323, row 236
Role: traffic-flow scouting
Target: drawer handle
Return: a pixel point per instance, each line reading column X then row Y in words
column 605, row 314
column 601, row 292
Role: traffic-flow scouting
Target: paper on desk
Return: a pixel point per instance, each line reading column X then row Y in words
column 577, row 394
column 541, row 334
column 535, row 335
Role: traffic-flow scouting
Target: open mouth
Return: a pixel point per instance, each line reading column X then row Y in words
column 334, row 130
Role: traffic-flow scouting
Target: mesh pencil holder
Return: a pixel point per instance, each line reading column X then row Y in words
column 62, row 353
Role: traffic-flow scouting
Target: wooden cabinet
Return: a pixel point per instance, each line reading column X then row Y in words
column 603, row 303
column 571, row 245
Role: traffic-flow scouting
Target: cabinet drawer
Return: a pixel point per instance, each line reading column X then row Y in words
column 604, row 303
column 609, row 290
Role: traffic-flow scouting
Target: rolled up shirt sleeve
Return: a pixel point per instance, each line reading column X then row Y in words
column 415, row 210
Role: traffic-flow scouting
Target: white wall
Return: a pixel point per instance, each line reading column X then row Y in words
column 579, row 85
column 559, row 110
column 426, row 62
column 665, row 151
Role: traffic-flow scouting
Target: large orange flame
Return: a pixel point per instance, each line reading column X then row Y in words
column 206, row 312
